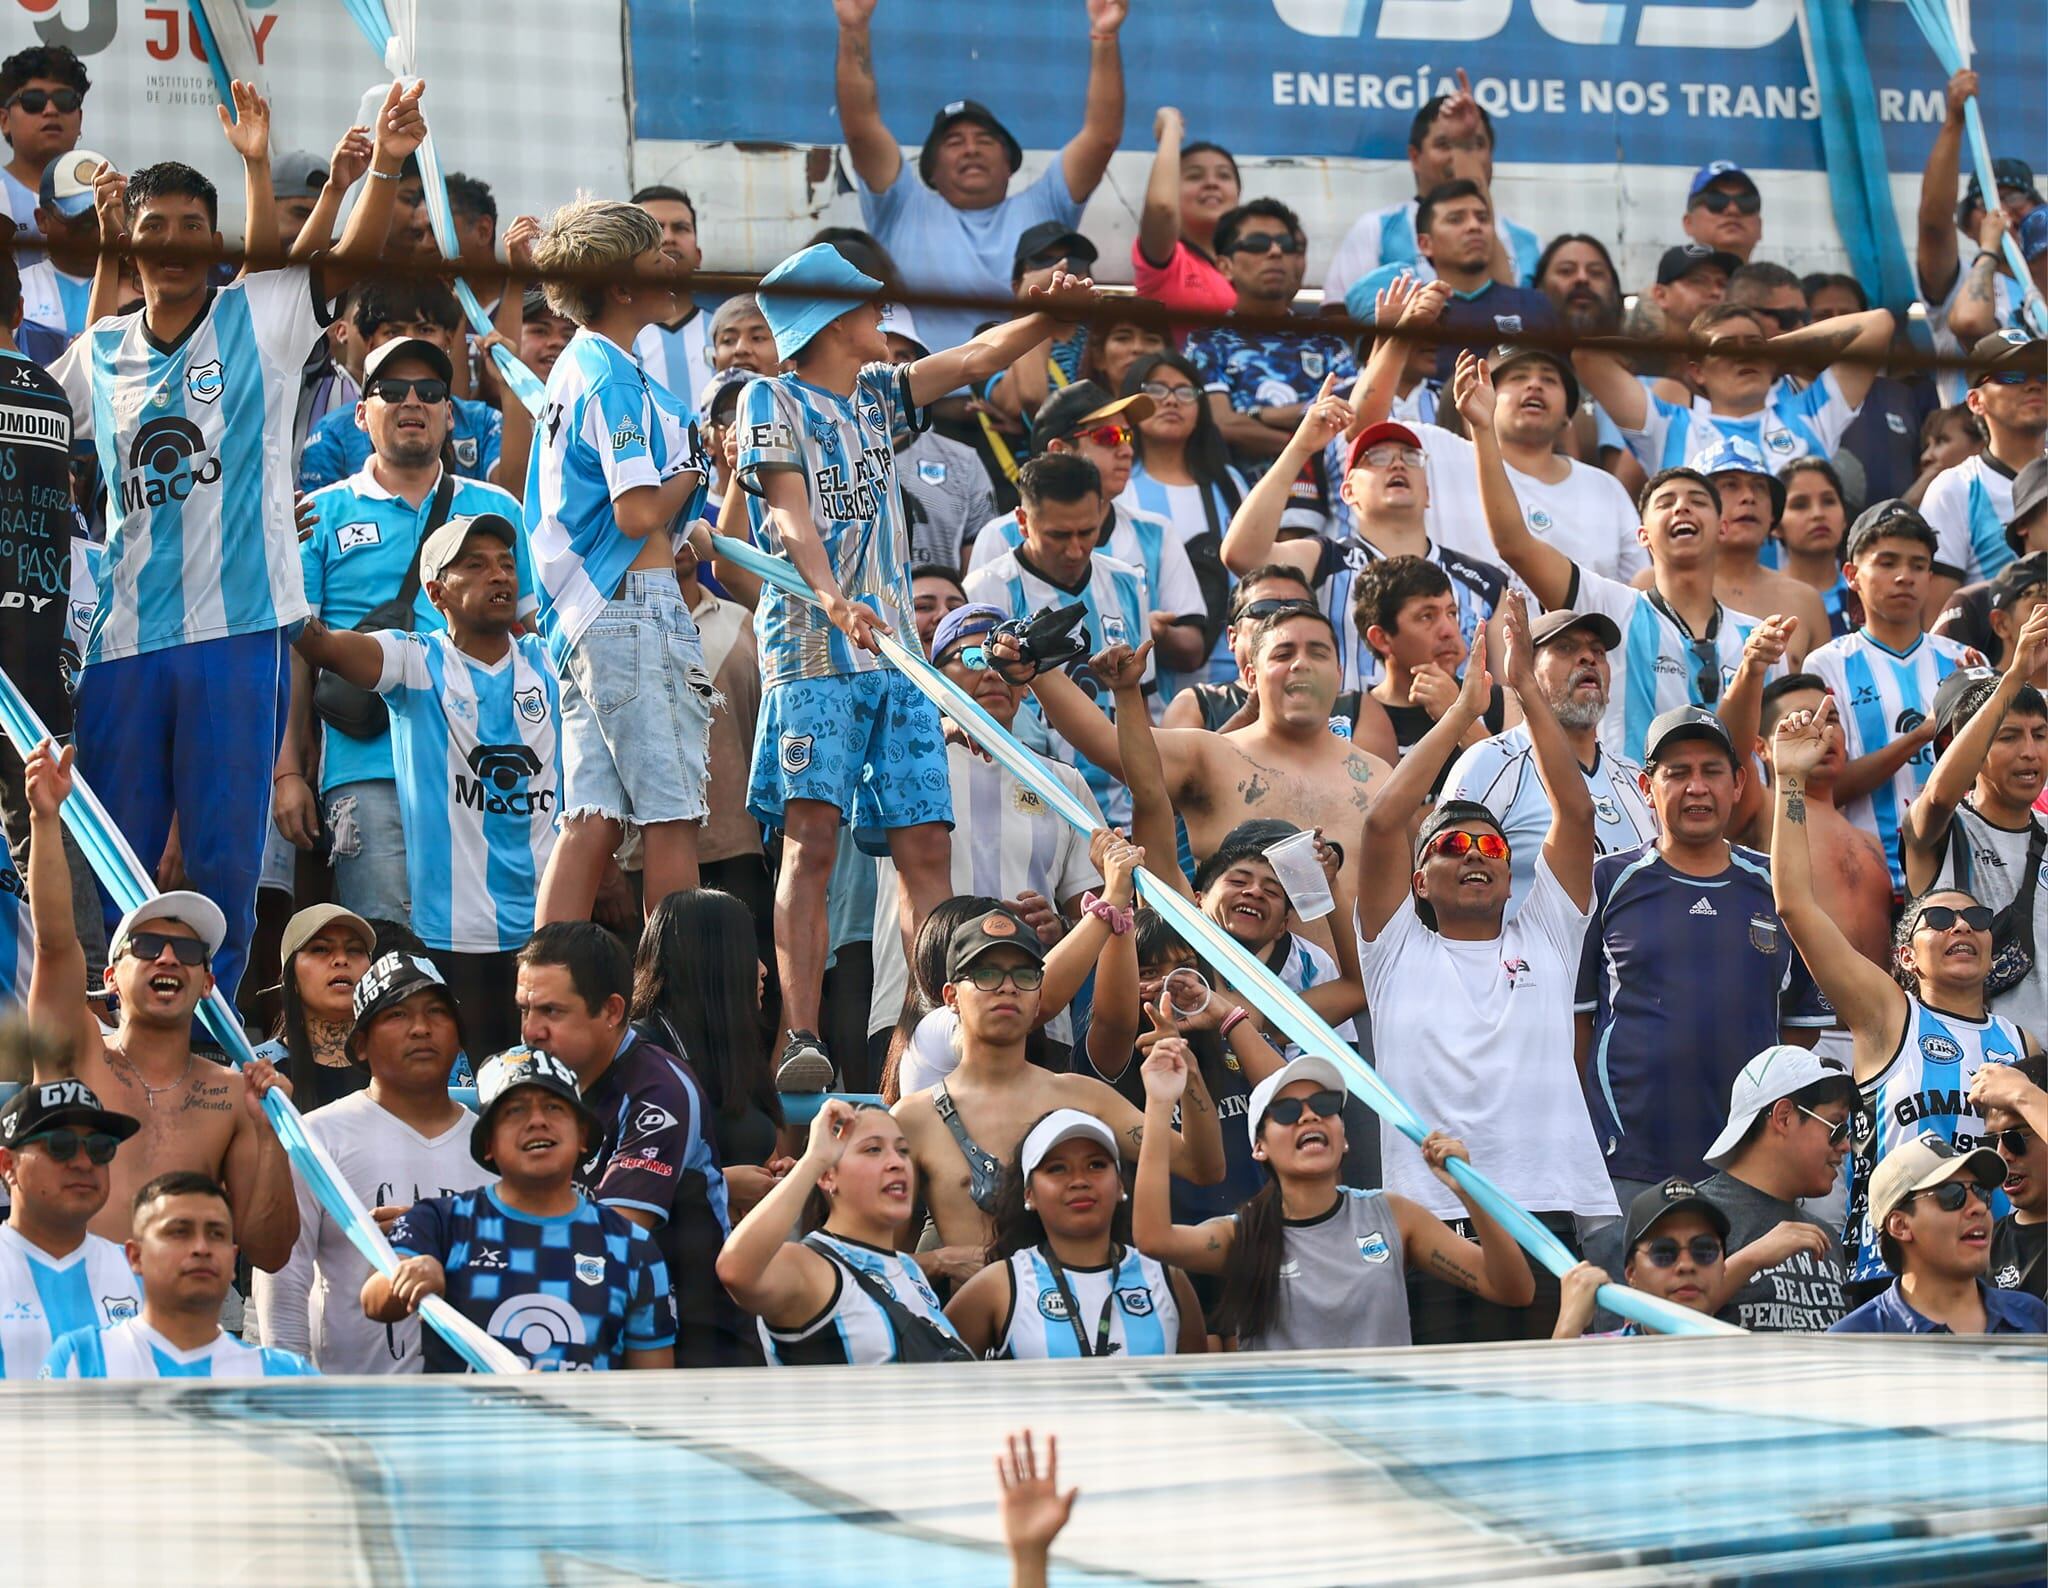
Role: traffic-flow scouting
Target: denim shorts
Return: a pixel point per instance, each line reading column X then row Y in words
column 636, row 709
column 869, row 743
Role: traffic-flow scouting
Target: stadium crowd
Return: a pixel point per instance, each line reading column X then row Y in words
column 1636, row 754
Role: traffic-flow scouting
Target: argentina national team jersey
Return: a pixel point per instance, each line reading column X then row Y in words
column 1791, row 424
column 677, row 357
column 1882, row 695
column 853, row 1329
column 604, row 429
column 1658, row 665
column 1924, row 1090
column 1478, row 586
column 43, row 1297
column 194, row 444
column 841, row 448
column 1968, row 506
column 571, row 1293
column 132, row 1349
column 479, row 767
column 1136, row 1298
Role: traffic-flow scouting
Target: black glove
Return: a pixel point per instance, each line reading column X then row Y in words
column 1045, row 640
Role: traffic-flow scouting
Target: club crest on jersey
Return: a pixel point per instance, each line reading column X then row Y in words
column 204, row 381
column 1780, row 440
column 119, row 1309
column 1312, row 363
column 531, row 704
column 1113, row 630
column 796, row 753
column 1940, row 1050
column 1540, row 520
column 590, row 1270
column 1373, row 1248
column 1052, row 1305
column 1605, row 808
column 466, row 452
column 1136, row 1301
column 1510, row 323
column 1763, row 934
column 350, row 536
column 930, row 472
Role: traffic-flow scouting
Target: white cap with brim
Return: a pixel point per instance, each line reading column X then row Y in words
column 195, row 910
column 1062, row 1124
column 1309, row 1067
column 830, row 286
column 1777, row 1072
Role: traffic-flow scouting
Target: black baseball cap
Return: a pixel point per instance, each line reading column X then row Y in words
column 392, row 980
column 1684, row 722
column 1455, row 813
column 1081, row 405
column 504, row 1074
column 1504, row 356
column 1246, row 841
column 2018, row 578
column 1958, row 696
column 1895, row 516
column 2009, row 172
column 1050, row 241
column 998, row 928
column 49, row 1105
column 1682, row 261
column 2004, row 349
column 1673, row 1196
column 959, row 110
column 2029, row 496
column 1553, row 624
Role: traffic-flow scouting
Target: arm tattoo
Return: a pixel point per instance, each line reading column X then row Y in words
column 1982, row 271
column 1453, row 1270
column 1137, row 1135
column 1830, row 346
column 1214, row 1244
column 1795, row 805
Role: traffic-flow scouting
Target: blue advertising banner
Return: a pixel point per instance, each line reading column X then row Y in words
column 1574, row 82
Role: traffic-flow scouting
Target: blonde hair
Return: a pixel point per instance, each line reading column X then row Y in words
column 589, row 235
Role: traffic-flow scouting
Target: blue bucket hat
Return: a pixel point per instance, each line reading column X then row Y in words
column 1737, row 455
column 831, row 287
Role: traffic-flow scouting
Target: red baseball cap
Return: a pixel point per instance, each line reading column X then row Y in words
column 1385, row 430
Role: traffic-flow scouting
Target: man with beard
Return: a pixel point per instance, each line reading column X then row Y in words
column 1500, row 772
column 1577, row 275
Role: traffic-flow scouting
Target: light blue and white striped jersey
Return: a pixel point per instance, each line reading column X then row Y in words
column 853, row 1329
column 1308, row 964
column 54, row 298
column 1791, row 424
column 194, row 445
column 132, row 1349
column 17, row 934
column 43, row 1297
column 1882, row 695
column 1968, row 506
column 678, row 358
column 356, row 559
column 604, row 430
column 1387, row 237
column 1924, row 1090
column 21, row 206
column 844, row 451
column 1135, row 1296
column 1140, row 539
column 1657, row 665
column 1118, row 606
column 1478, row 586
column 479, row 767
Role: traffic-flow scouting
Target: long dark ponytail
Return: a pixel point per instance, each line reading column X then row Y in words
column 1251, row 1272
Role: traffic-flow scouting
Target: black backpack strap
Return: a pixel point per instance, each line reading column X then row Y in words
column 437, row 515
column 917, row 1339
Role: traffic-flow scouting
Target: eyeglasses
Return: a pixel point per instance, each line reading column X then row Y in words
column 1264, row 243
column 1716, row 200
column 1160, row 392
column 63, row 1145
column 36, row 100
column 1663, row 1251
column 2015, row 377
column 2014, row 1141
column 1025, row 978
column 1387, row 455
column 151, row 945
column 1324, row 1105
column 1950, row 1195
column 1838, row 1130
column 1273, row 607
column 396, row 388
column 1943, row 917
column 1457, row 844
column 1111, row 436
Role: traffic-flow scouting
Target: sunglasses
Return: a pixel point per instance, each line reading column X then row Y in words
column 1943, row 917
column 1385, row 457
column 63, row 1145
column 396, row 388
column 1950, row 1195
column 1025, row 978
column 1160, row 392
column 1787, row 318
column 1273, row 607
column 1663, row 1251
column 1716, row 200
column 1265, row 243
column 36, row 100
column 2015, row 377
column 1458, row 844
column 1838, row 1131
column 2014, row 1141
column 151, row 945
column 1107, row 436
column 972, row 657
column 1324, row 1105
column 1706, row 682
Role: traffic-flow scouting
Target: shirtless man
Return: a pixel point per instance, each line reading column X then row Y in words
column 965, row 1131
column 196, row 1114
column 1286, row 763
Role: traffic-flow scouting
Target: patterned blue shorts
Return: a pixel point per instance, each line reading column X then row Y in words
column 869, row 743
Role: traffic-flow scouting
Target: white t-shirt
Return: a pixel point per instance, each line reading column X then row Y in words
column 1478, row 1037
column 313, row 1304
column 1587, row 515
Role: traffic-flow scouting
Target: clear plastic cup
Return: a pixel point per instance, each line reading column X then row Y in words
column 1301, row 874
column 1187, row 991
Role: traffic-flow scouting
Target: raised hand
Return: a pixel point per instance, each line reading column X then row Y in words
column 853, row 13
column 1768, row 641
column 1426, row 303
column 2030, row 650
column 1033, row 1508
column 47, row 775
column 1475, row 690
column 1801, row 742
column 1168, row 120
column 1438, row 1149
column 401, row 126
column 829, row 1128
column 1165, row 1070
column 1106, row 16
column 1472, row 388
column 1961, row 87
column 1120, row 862
column 110, row 202
column 1120, row 667
column 1066, row 297
column 1390, row 302
column 351, row 157
column 1326, row 417
column 1040, row 916
column 520, row 237
column 1992, row 228
column 1518, row 653
column 248, row 130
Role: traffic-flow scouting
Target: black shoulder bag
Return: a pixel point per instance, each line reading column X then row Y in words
column 360, row 713
column 918, row 1339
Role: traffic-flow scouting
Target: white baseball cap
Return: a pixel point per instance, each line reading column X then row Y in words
column 1777, row 1072
column 1309, row 1067
column 195, row 910
column 1062, row 1124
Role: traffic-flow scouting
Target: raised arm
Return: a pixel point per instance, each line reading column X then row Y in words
column 1868, row 1001
column 401, row 128
column 1975, row 311
column 248, row 134
column 1613, row 385
column 110, row 199
column 1086, row 155
column 1000, row 346
column 345, row 167
column 56, row 987
column 1338, row 1000
column 357, row 657
column 1864, row 336
column 1742, row 704
column 1143, row 773
column 1199, row 1248
column 1255, row 526
column 1568, row 845
column 1546, row 570
column 762, row 1268
column 1405, row 305
column 877, row 158
column 1113, row 1022
column 1159, row 221
column 1936, row 228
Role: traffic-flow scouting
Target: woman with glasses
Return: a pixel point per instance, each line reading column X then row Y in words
column 1309, row 1263
column 1674, row 1248
column 1921, row 1033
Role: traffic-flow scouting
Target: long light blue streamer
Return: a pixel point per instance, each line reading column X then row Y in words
column 1938, row 29
column 123, row 876
column 1852, row 134
column 1244, row 972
